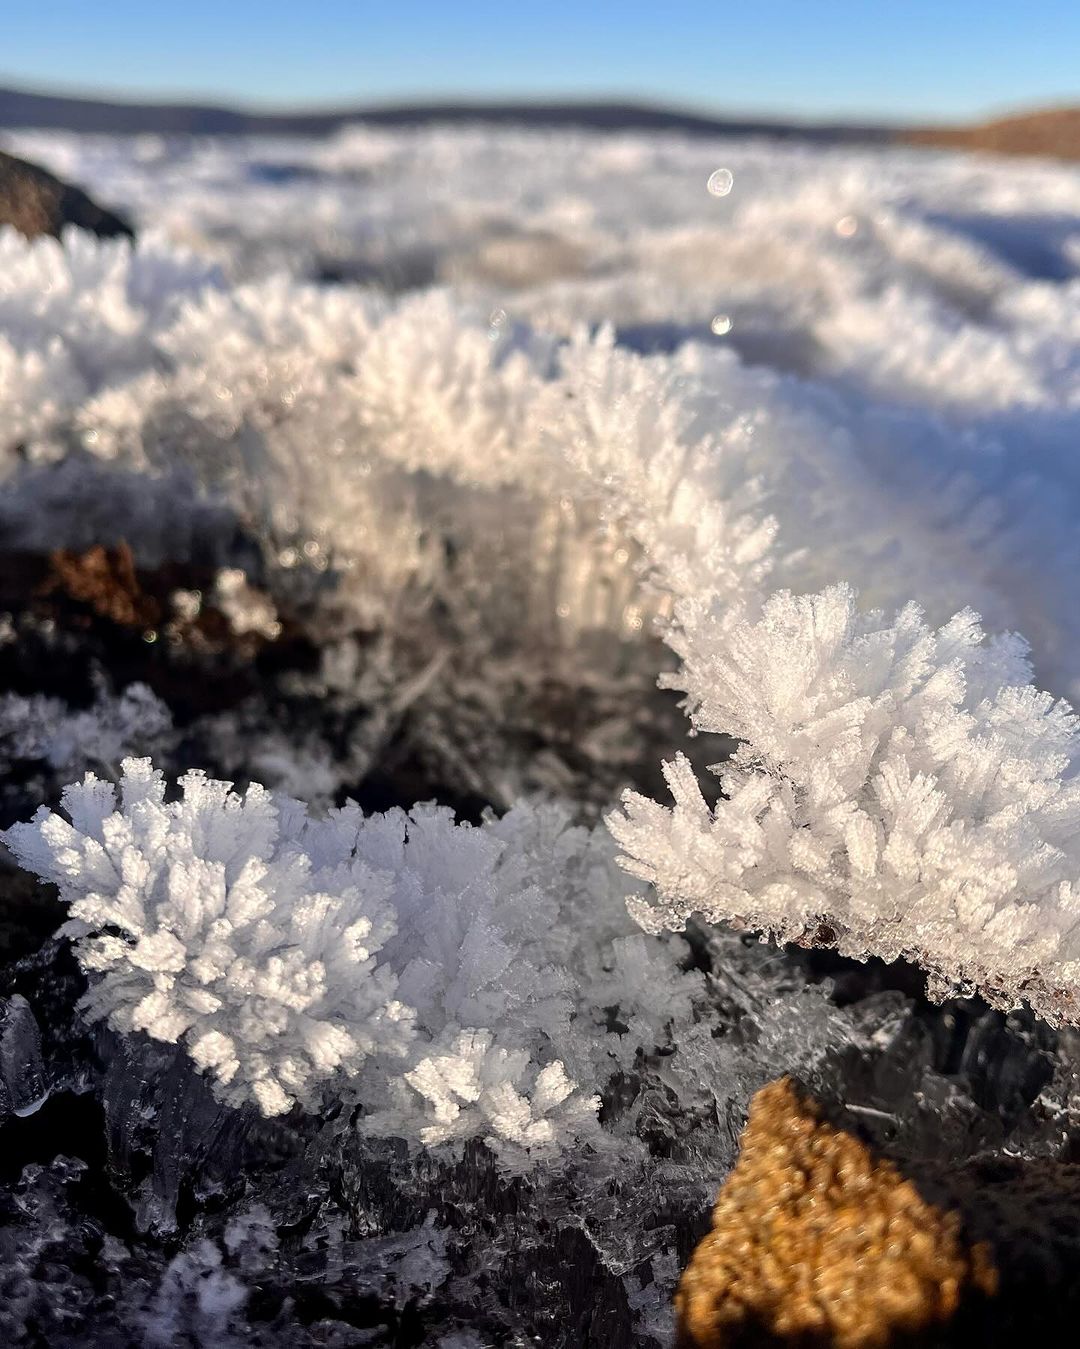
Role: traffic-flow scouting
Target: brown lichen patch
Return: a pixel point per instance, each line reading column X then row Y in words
column 161, row 625
column 104, row 583
column 103, row 579
column 815, row 1242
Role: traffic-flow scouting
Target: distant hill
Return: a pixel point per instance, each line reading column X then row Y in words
column 22, row 109
column 1054, row 132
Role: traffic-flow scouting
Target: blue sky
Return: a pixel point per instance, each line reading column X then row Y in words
column 952, row 58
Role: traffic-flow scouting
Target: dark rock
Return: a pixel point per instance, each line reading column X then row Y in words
column 36, row 203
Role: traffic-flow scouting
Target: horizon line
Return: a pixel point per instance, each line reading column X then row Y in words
column 462, row 101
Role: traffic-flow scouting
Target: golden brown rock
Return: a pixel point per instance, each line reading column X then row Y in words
column 815, row 1242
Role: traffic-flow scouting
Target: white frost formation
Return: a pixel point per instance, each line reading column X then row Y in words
column 206, row 919
column 899, row 790
column 900, row 396
column 114, row 727
column 458, row 982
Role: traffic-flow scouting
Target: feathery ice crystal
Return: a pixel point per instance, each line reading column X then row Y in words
column 898, row 790
column 464, row 979
column 371, row 425
column 206, row 919
column 113, row 728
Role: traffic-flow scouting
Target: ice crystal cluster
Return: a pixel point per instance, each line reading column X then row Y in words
column 433, row 963
column 398, row 468
column 46, row 729
column 898, row 790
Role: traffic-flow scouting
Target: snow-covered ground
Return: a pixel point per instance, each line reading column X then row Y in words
column 894, row 335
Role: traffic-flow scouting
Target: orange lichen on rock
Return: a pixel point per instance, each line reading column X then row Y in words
column 105, row 580
column 815, row 1242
